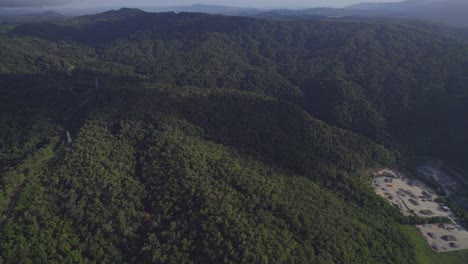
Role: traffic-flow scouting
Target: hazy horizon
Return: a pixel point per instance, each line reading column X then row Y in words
column 146, row 3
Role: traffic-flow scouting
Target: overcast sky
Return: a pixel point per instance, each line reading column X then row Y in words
column 133, row 3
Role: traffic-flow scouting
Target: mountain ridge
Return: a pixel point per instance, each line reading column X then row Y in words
column 192, row 138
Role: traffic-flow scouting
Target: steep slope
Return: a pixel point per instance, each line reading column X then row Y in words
column 197, row 138
column 368, row 77
column 167, row 174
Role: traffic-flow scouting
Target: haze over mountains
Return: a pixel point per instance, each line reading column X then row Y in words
column 405, row 5
column 448, row 12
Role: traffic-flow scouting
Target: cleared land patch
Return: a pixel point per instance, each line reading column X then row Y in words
column 446, row 237
column 413, row 197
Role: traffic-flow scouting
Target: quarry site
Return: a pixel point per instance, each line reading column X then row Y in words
column 413, row 197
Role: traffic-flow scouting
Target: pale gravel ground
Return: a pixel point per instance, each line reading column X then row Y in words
column 399, row 191
column 460, row 235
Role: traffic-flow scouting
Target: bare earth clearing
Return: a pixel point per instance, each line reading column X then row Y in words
column 413, row 197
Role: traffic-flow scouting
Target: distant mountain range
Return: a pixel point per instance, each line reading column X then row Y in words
column 47, row 16
column 449, row 12
column 209, row 9
column 400, row 6
column 196, row 8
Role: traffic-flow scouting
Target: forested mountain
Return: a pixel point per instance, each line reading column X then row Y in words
column 367, row 77
column 212, row 139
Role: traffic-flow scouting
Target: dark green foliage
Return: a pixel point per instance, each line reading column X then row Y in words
column 387, row 81
column 146, row 184
column 209, row 139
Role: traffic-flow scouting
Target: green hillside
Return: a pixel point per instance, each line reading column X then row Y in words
column 211, row 139
column 374, row 78
column 154, row 171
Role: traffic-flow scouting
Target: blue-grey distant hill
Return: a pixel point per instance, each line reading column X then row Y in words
column 195, row 8
column 450, row 12
column 208, row 9
column 407, row 5
column 48, row 16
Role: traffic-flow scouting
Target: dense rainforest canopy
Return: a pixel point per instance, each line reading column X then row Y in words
column 212, row 139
